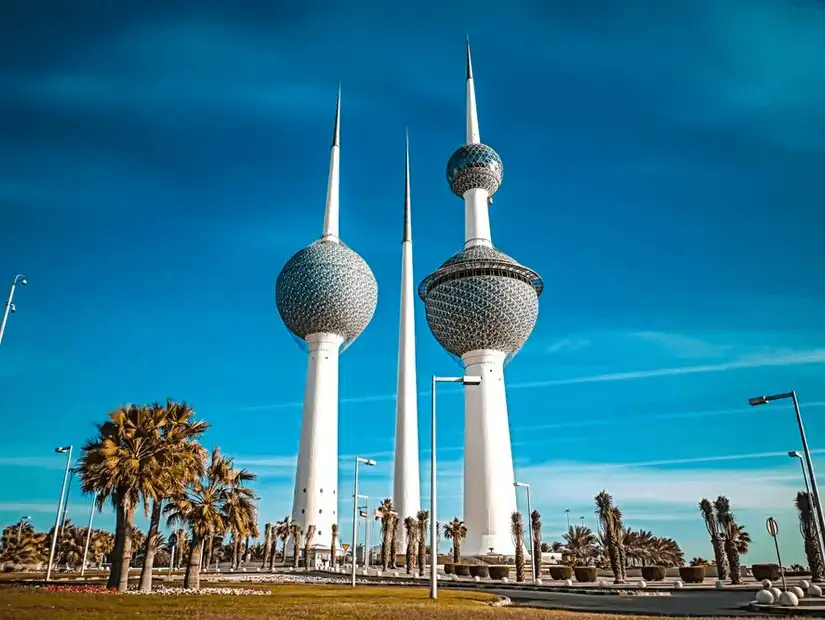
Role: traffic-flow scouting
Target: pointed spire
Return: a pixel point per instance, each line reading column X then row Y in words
column 332, row 210
column 473, row 136
column 407, row 223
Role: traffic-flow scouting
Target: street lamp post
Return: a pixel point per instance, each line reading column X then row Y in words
column 72, row 471
column 567, row 514
column 67, row 450
column 582, row 520
column 465, row 380
column 796, row 455
column 10, row 309
column 763, row 400
column 369, row 463
column 533, row 563
column 89, row 535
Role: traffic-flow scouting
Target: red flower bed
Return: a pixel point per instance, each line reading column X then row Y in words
column 81, row 589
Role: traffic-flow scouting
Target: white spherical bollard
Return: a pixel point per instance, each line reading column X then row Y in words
column 505, row 580
column 679, row 584
column 476, row 578
column 602, row 583
column 804, row 584
column 788, row 599
column 454, row 577
column 537, row 582
column 764, row 597
column 567, row 582
column 814, row 590
column 800, row 593
column 395, row 574
column 642, row 585
column 719, row 584
column 378, row 573
column 438, row 576
column 776, row 593
column 766, row 583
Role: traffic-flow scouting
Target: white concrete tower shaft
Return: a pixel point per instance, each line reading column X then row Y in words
column 476, row 200
column 489, row 495
column 315, row 501
column 406, row 482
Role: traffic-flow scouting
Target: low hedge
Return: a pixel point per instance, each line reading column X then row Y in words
column 586, row 574
column 561, row 572
column 449, row 568
column 479, row 570
column 462, row 570
column 498, row 571
column 653, row 573
column 765, row 571
column 692, row 574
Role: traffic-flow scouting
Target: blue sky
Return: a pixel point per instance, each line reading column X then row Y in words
column 160, row 162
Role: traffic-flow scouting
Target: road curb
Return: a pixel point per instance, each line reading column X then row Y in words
column 776, row 610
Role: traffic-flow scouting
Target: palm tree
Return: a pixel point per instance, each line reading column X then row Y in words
column 394, row 541
column 581, row 544
column 123, row 463
column 410, row 526
column 333, row 546
column 807, row 527
column 737, row 539
column 385, row 514
column 284, row 531
column 267, row 544
column 456, row 531
column 517, row 530
column 20, row 545
column 610, row 520
column 308, row 546
column 535, row 528
column 422, row 517
column 239, row 508
column 295, row 532
column 716, row 538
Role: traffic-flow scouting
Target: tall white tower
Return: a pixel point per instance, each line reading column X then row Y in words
column 326, row 295
column 482, row 306
column 406, row 483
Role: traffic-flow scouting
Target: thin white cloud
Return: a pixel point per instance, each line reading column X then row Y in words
column 44, row 462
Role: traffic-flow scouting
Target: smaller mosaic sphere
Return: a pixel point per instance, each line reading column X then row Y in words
column 474, row 166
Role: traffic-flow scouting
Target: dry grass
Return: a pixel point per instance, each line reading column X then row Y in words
column 294, row 602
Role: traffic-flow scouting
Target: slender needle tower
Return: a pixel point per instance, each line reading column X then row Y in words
column 482, row 306
column 326, row 295
column 406, row 486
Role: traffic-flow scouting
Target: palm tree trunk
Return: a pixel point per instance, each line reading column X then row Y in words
column 236, row 551
column 733, row 562
column 615, row 559
column 297, row 552
column 274, row 553
column 125, row 558
column 421, row 547
column 719, row 555
column 114, row 570
column 192, row 578
column 248, row 552
column 210, row 546
column 151, row 546
column 814, row 555
column 394, row 543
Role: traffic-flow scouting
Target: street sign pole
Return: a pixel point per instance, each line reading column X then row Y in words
column 773, row 530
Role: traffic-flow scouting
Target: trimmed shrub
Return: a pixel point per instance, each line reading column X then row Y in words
column 653, row 573
column 400, row 559
column 766, row 571
column 585, row 574
column 449, row 569
column 462, row 570
column 692, row 574
column 499, row 572
column 561, row 572
column 479, row 570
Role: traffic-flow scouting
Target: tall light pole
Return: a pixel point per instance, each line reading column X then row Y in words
column 567, row 514
column 10, row 309
column 89, row 535
column 465, row 380
column 67, row 450
column 763, row 400
column 72, row 471
column 533, row 563
column 370, row 463
column 795, row 455
column 582, row 520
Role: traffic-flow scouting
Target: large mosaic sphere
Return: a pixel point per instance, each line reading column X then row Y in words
column 480, row 298
column 326, row 288
column 474, row 166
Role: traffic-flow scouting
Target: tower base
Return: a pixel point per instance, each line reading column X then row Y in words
column 489, row 494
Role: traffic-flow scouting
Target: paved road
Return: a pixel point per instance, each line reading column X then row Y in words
column 686, row 603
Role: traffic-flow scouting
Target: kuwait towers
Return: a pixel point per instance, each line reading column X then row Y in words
column 406, row 490
column 326, row 295
column 482, row 306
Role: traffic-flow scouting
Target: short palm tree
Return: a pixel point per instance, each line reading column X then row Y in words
column 308, row 546
column 333, row 546
column 807, row 527
column 716, row 539
column 535, row 529
column 737, row 540
column 410, row 528
column 581, row 544
column 610, row 520
column 422, row 517
column 456, row 531
column 517, row 530
column 283, row 530
column 295, row 532
column 385, row 513
column 267, row 545
column 394, row 541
